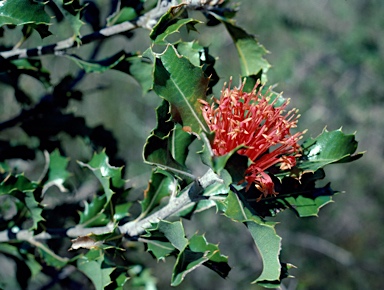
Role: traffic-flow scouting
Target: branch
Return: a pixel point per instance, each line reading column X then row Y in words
column 147, row 21
column 189, row 195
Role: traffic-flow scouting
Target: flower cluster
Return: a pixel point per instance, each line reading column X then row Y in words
column 257, row 123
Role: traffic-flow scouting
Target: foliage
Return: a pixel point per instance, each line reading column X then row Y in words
column 107, row 228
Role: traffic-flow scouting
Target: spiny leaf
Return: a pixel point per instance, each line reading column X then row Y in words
column 108, row 175
column 93, row 213
column 306, row 207
column 22, row 12
column 199, row 252
column 189, row 22
column 93, row 266
column 182, row 84
column 251, row 52
column 167, row 20
column 23, row 189
column 328, row 148
column 57, row 171
column 160, row 149
column 264, row 235
column 71, row 11
column 162, row 184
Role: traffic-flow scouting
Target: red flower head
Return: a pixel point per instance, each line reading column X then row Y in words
column 252, row 120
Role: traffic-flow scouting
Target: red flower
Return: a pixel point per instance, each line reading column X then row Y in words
column 252, row 120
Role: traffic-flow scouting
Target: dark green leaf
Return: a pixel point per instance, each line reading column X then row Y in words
column 49, row 257
column 162, row 146
column 125, row 14
column 109, row 176
column 93, row 266
column 161, row 38
column 306, row 207
column 22, row 12
column 251, row 52
column 98, row 66
column 199, row 252
column 263, row 233
column 172, row 231
column 93, row 214
column 327, row 148
column 23, row 189
column 33, row 68
column 57, row 171
column 172, row 16
column 182, row 84
column 161, row 185
column 180, row 141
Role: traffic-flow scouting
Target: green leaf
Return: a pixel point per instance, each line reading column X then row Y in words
column 180, row 141
column 125, row 14
column 160, row 39
column 22, row 12
column 160, row 249
column 71, row 11
column 182, row 84
column 33, row 68
column 23, row 189
column 328, row 148
column 161, row 185
column 199, row 252
column 166, row 143
column 57, row 173
column 93, row 266
column 98, row 66
column 140, row 68
column 251, row 52
column 167, row 21
column 93, row 214
column 107, row 175
column 306, row 207
column 172, row 231
column 263, row 233
column 49, row 257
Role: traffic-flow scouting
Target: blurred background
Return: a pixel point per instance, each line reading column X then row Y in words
column 328, row 57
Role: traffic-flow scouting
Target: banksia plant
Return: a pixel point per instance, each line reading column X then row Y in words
column 253, row 120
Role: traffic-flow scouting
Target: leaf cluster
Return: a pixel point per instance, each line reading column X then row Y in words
column 107, row 228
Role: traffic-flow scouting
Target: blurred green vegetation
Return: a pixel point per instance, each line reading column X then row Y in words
column 328, row 57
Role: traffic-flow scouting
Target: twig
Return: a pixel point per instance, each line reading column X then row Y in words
column 189, row 195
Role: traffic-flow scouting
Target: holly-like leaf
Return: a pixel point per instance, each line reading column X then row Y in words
column 251, row 52
column 93, row 265
column 182, row 84
column 306, row 207
column 167, row 21
column 140, row 67
column 174, row 28
column 57, row 171
column 328, row 148
column 93, row 214
column 199, row 252
column 22, row 12
column 161, row 185
column 71, row 11
column 263, row 233
column 23, row 189
column 109, row 176
column 166, row 144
